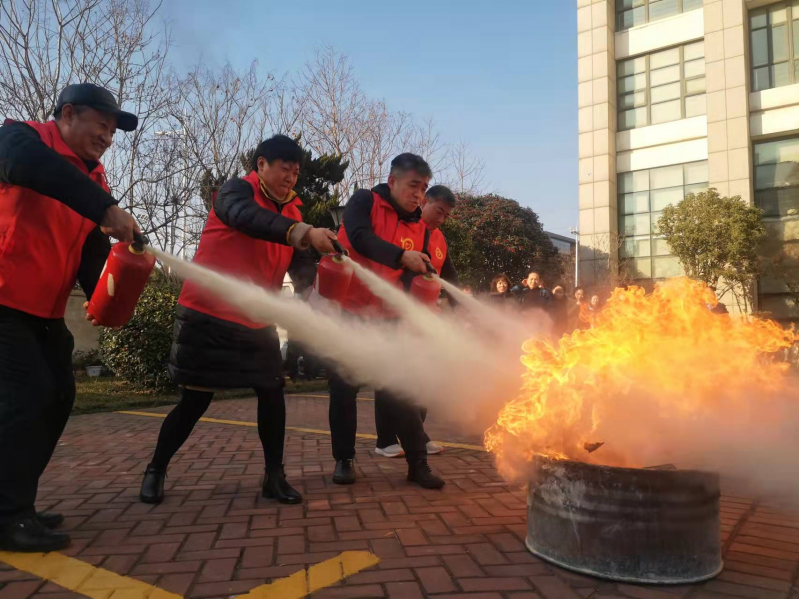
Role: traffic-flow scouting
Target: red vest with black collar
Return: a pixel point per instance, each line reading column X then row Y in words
column 437, row 246
column 230, row 251
column 387, row 226
column 41, row 239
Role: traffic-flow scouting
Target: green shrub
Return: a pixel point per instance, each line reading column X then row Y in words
column 139, row 351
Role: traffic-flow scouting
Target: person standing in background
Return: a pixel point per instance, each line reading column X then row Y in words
column 594, row 308
column 558, row 310
column 501, row 295
column 578, row 311
column 536, row 295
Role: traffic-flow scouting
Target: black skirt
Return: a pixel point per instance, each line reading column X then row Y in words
column 218, row 354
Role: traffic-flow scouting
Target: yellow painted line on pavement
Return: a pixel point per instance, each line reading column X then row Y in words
column 98, row 583
column 326, row 396
column 303, row 583
column 80, row 577
column 298, row 429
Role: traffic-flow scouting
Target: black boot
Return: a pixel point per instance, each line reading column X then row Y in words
column 152, row 487
column 419, row 472
column 344, row 474
column 50, row 519
column 28, row 535
column 276, row 487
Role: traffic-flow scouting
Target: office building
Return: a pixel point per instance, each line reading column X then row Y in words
column 676, row 96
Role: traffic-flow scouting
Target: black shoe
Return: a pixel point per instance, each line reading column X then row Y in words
column 50, row 519
column 28, row 535
column 344, row 474
column 420, row 473
column 276, row 487
column 152, row 487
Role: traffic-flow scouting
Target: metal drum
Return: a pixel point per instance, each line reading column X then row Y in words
column 634, row 525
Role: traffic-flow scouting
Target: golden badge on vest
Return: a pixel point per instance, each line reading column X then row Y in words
column 406, row 243
column 439, row 254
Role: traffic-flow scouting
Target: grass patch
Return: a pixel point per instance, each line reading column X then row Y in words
column 109, row 394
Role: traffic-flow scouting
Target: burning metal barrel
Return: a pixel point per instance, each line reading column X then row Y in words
column 634, row 525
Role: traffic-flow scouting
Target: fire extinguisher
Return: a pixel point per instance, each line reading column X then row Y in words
column 425, row 288
column 333, row 275
column 122, row 281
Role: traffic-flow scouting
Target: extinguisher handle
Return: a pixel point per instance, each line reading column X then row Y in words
column 339, row 248
column 431, row 269
column 140, row 240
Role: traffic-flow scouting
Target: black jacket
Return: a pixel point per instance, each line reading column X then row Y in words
column 535, row 298
column 27, row 162
column 235, row 206
column 212, row 353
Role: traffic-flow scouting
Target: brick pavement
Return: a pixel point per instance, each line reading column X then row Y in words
column 214, row 536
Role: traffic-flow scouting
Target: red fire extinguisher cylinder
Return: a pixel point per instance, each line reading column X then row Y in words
column 333, row 278
column 425, row 289
column 121, row 283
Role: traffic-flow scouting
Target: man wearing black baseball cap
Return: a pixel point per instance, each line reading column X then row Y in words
column 56, row 213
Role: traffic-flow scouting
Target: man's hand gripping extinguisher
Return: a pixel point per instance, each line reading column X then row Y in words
column 122, row 281
column 425, row 288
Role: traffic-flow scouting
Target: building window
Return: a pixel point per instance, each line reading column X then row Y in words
column 777, row 177
column 661, row 87
column 777, row 194
column 630, row 13
column 642, row 197
column 774, row 39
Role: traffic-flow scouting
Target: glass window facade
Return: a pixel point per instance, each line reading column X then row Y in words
column 630, row 13
column 776, row 164
column 774, row 45
column 642, row 197
column 664, row 86
column 777, row 177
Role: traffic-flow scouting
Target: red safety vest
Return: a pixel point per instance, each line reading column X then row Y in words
column 224, row 249
column 387, row 226
column 41, row 239
column 437, row 246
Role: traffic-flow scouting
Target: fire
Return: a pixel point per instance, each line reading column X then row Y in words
column 646, row 356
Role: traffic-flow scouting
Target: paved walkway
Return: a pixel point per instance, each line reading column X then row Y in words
column 214, row 536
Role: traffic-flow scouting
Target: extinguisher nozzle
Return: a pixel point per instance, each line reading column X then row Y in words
column 139, row 241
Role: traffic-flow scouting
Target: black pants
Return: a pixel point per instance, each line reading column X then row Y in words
column 344, row 420
column 181, row 420
column 386, row 427
column 37, row 392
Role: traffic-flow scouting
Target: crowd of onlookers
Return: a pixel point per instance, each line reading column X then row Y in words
column 568, row 314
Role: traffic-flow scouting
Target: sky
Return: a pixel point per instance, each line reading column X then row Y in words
column 501, row 75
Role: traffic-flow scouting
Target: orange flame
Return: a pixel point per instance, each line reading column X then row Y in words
column 666, row 347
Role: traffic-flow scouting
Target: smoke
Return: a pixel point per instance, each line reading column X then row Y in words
column 659, row 380
column 458, row 366
column 749, row 435
column 407, row 308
